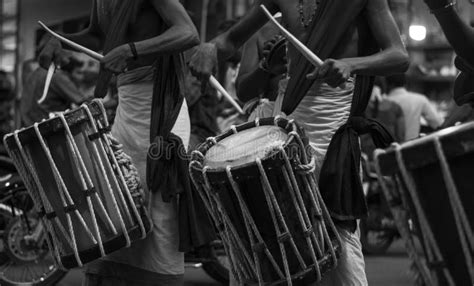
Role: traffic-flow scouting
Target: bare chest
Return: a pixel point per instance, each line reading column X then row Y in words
column 295, row 19
column 295, row 16
column 145, row 22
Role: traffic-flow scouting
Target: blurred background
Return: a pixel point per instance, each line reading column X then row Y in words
column 431, row 74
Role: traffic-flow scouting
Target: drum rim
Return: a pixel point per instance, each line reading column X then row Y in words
column 287, row 125
column 53, row 125
column 386, row 157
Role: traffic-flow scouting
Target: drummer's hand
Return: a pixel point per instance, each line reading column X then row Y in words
column 276, row 66
column 203, row 62
column 52, row 51
column 116, row 60
column 333, row 72
column 436, row 4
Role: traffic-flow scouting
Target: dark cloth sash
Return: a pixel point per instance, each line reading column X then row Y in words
column 167, row 163
column 340, row 181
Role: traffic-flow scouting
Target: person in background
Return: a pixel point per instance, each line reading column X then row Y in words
column 386, row 111
column 63, row 92
column 415, row 107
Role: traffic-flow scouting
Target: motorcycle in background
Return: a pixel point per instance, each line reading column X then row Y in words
column 25, row 258
column 378, row 230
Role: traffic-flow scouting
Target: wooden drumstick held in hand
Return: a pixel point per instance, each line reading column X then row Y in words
column 70, row 43
column 212, row 80
column 303, row 49
column 307, row 53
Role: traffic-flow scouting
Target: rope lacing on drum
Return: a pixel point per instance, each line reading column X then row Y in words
column 279, row 223
column 253, row 233
column 317, row 202
column 400, row 214
column 463, row 225
column 36, row 191
column 119, row 180
column 305, row 169
column 65, row 197
column 230, row 237
column 87, row 184
column 294, row 171
column 257, row 122
column 432, row 249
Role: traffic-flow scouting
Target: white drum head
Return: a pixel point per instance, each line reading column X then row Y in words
column 245, row 146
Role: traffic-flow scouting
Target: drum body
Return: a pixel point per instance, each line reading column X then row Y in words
column 435, row 175
column 85, row 188
column 258, row 184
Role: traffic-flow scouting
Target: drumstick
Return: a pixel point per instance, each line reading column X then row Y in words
column 70, row 43
column 303, row 49
column 49, row 77
column 212, row 80
column 307, row 53
column 215, row 84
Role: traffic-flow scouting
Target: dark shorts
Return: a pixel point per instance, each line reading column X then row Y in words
column 108, row 273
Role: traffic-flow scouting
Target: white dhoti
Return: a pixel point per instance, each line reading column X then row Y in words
column 321, row 112
column 158, row 253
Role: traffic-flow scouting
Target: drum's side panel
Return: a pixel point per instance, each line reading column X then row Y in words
column 94, row 160
column 42, row 166
column 434, row 198
column 254, row 197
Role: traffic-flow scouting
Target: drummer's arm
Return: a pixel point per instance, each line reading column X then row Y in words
column 393, row 57
column 205, row 57
column 459, row 34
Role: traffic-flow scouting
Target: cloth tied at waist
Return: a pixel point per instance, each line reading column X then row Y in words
column 170, row 166
column 340, row 182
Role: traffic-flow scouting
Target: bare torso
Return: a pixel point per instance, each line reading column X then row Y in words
column 146, row 24
column 292, row 20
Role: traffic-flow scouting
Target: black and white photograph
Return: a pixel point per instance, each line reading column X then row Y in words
column 236, row 142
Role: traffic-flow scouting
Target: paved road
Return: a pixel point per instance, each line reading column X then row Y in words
column 391, row 269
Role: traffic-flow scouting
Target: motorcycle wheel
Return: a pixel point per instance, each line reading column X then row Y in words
column 217, row 266
column 23, row 264
column 375, row 242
